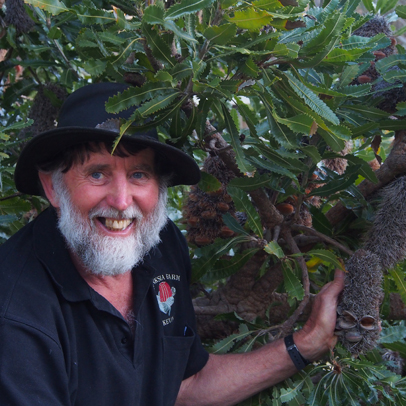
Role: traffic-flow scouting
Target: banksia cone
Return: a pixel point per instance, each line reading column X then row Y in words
column 358, row 311
column 203, row 211
column 375, row 26
column 387, row 237
column 17, row 16
column 43, row 111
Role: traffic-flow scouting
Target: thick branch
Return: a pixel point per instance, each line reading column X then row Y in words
column 394, row 165
column 323, row 237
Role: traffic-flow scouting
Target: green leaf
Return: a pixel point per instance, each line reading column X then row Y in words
column 233, row 224
column 221, row 35
column 399, row 277
column 401, row 11
column 251, row 19
column 225, row 268
column 273, row 248
column 312, row 152
column 292, row 284
column 159, row 48
column 301, row 123
column 250, row 183
column 155, row 105
column 312, row 99
column 243, row 165
column 320, row 222
column 186, row 7
column 225, row 345
column 385, row 5
column 154, row 14
column 392, row 334
column 208, row 183
column 364, row 170
column 242, row 203
column 326, row 256
column 53, row 6
column 14, row 206
column 392, row 125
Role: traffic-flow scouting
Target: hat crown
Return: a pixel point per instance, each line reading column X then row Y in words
column 86, row 107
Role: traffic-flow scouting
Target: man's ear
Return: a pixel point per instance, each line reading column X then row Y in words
column 47, row 185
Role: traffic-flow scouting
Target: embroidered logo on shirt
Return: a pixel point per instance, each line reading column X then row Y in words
column 165, row 297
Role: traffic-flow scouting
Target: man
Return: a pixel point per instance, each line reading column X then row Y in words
column 94, row 301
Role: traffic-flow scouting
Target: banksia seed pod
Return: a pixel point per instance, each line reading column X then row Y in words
column 285, row 208
column 17, row 16
column 358, row 311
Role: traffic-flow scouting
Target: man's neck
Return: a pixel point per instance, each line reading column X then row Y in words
column 118, row 289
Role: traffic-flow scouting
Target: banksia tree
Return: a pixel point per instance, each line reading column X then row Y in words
column 283, row 104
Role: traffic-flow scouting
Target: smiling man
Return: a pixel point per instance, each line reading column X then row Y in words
column 94, row 300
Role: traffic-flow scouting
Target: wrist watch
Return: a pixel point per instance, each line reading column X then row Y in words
column 297, row 358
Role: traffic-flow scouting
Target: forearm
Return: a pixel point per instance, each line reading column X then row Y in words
column 228, row 379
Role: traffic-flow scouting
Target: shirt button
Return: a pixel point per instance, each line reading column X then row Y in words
column 124, row 340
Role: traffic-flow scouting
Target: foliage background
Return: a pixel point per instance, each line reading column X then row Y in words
column 268, row 96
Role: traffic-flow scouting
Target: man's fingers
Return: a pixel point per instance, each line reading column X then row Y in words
column 337, row 285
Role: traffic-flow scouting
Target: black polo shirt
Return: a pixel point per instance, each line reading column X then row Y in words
column 61, row 343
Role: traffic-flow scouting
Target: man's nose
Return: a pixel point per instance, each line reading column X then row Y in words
column 119, row 195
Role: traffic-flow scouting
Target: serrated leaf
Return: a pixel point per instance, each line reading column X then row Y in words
column 233, row 224
column 392, row 334
column 208, row 183
column 326, row 256
column 159, row 48
column 274, row 248
column 225, row 345
column 242, row 203
column 292, row 284
column 365, row 170
column 312, row 152
column 90, row 16
column 134, row 96
column 320, row 222
column 155, row 105
column 301, row 123
column 14, row 206
column 225, row 268
column 312, row 99
column 336, row 144
column 52, row 6
column 251, row 19
column 154, row 14
column 243, row 165
column 252, row 183
column 290, row 393
column 399, row 277
column 392, row 125
column 386, row 5
column 221, row 35
column 401, row 11
column 186, row 7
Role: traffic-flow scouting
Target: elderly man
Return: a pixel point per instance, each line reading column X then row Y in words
column 94, row 300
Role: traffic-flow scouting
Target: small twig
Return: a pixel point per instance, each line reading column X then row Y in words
column 18, row 194
column 329, row 240
column 288, row 324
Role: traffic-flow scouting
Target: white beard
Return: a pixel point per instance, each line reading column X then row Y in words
column 104, row 255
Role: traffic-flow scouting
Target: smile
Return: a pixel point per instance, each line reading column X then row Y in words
column 115, row 224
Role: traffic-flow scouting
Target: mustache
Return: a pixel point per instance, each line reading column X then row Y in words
column 132, row 212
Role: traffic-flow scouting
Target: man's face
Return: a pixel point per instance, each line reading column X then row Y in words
column 111, row 210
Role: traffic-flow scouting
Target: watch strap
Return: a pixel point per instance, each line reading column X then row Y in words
column 296, row 357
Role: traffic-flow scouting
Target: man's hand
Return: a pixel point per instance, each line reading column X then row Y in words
column 317, row 335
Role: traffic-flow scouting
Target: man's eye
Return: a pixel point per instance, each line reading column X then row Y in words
column 96, row 175
column 138, row 175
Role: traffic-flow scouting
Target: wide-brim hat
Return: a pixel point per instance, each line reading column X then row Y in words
column 80, row 114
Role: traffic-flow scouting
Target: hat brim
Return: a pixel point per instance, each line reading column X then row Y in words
column 48, row 145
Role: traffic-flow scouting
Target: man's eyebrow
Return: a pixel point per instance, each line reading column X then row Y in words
column 102, row 167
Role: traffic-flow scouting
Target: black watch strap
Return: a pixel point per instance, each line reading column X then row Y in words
column 294, row 353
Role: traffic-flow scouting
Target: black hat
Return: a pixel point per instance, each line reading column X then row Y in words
column 83, row 118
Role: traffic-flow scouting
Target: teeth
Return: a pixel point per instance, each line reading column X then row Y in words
column 114, row 224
